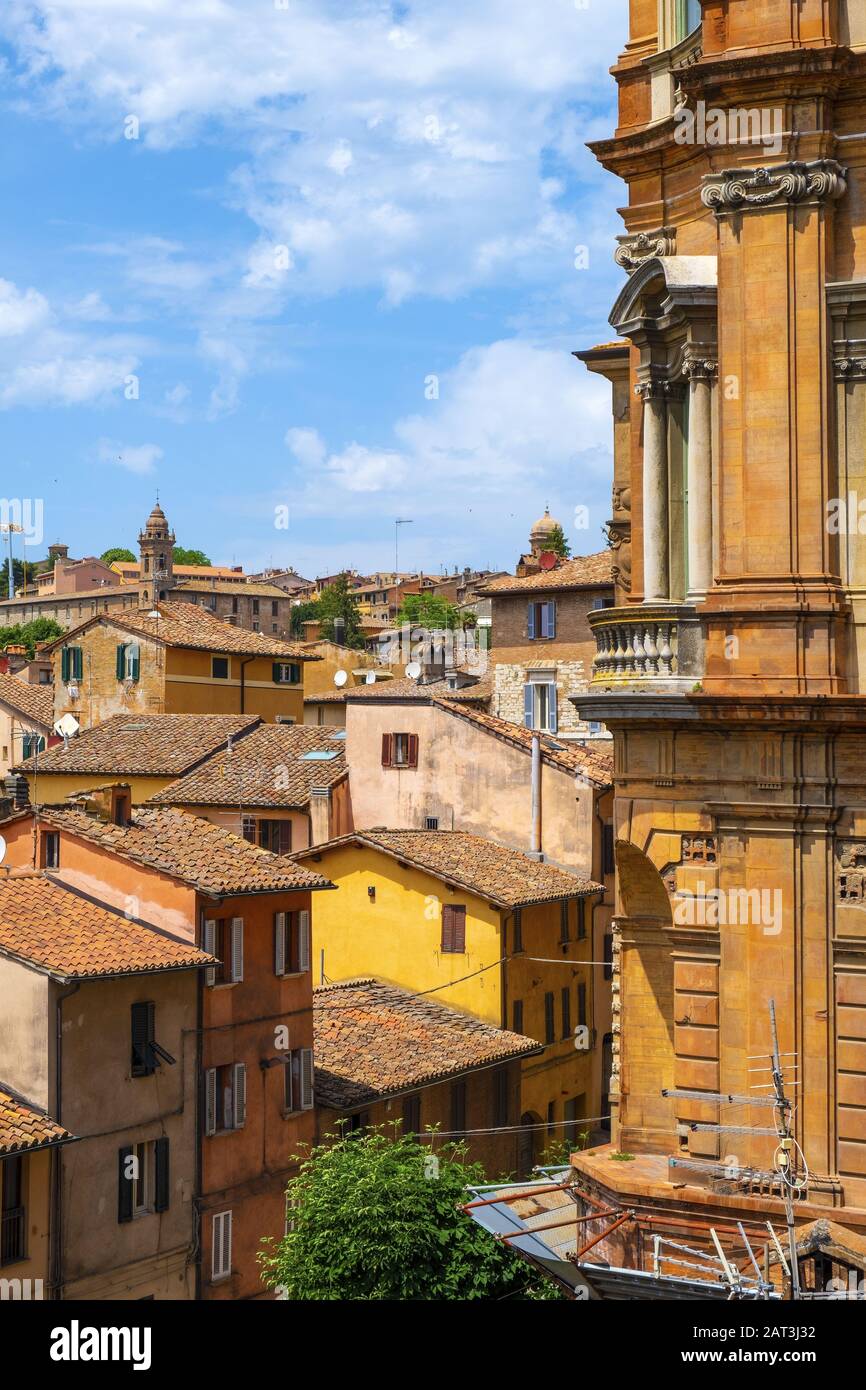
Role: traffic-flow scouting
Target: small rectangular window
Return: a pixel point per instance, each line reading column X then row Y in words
column 404, row 750
column 225, row 1098
column 287, row 673
column 458, row 1109
column 221, row 1251
column 431, row 822
column 291, row 942
column 453, row 929
column 298, row 1079
column 412, row 1114
column 517, row 921
column 224, row 938
column 51, row 849
column 219, row 667
column 549, row 1020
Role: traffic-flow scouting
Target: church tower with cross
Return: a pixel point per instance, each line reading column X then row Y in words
column 156, row 554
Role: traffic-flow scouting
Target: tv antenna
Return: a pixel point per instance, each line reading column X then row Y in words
column 787, row 1173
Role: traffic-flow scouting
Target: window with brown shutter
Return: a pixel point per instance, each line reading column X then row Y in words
column 453, row 929
column 387, row 742
column 549, row 1021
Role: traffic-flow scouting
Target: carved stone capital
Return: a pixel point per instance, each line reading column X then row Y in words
column 735, row 190
column 659, row 390
column 698, row 366
column 849, row 368
column 633, row 250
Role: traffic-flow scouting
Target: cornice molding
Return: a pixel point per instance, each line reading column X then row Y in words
column 742, row 190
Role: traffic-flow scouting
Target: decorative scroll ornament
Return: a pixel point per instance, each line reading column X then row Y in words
column 697, row 367
column 820, row 180
column 850, row 368
column 632, row 251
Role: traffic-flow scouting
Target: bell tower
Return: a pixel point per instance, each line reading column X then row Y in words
column 156, row 554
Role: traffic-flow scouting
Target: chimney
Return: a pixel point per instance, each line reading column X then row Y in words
column 320, row 815
column 340, row 631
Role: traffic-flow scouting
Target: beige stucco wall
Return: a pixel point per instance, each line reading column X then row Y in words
column 109, row 1109
column 25, row 1062
column 471, row 780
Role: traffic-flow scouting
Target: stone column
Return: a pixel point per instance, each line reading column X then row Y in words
column 655, row 491
column 699, row 371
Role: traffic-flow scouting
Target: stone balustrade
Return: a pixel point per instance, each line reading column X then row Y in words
column 647, row 642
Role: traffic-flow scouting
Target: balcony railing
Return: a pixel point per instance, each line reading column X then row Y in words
column 13, row 1229
column 659, row 643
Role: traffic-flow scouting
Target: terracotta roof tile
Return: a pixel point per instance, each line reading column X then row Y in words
column 250, row 587
column 49, row 925
column 24, row 1126
column 587, row 759
column 503, row 876
column 34, row 702
column 155, row 745
column 582, row 572
column 191, row 849
column 270, row 767
column 372, row 1039
column 405, row 688
column 326, row 697
column 190, row 625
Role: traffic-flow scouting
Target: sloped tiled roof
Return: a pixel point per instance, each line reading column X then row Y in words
column 58, row 930
column 34, row 702
column 267, row 768
column 145, row 745
column 251, row 588
column 587, row 759
column 326, row 697
column 373, row 1039
column 405, row 688
column 24, row 1126
column 503, row 876
column 191, row 849
column 190, row 625
column 582, row 572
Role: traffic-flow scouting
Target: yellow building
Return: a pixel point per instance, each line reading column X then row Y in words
column 174, row 659
column 147, row 753
column 493, row 932
column 28, row 1138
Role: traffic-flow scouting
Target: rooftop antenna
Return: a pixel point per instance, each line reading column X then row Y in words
column 785, row 1166
column 399, row 521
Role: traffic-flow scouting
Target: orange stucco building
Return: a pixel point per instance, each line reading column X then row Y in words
column 731, row 671
column 247, row 1032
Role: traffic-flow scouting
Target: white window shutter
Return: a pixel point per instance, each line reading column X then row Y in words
column 290, row 1094
column 279, row 943
column 209, row 945
column 237, row 949
column 221, row 1255
column 210, row 1080
column 303, row 940
column 306, row 1078
column 240, row 1089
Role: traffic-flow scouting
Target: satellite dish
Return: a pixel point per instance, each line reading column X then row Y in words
column 67, row 726
column 340, row 678
column 2, row 849
column 413, row 670
column 370, row 678
column 548, row 559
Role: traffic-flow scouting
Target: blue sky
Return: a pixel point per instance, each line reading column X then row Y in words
column 269, row 253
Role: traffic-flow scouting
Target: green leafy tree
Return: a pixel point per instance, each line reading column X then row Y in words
column 28, row 634
column 429, row 611
column 557, row 542
column 302, row 613
column 190, row 557
column 337, row 601
column 375, row 1217
column 117, row 553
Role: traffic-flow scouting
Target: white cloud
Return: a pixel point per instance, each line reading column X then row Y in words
column 21, row 310
column 380, row 153
column 135, row 458
column 516, row 424
column 43, row 362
